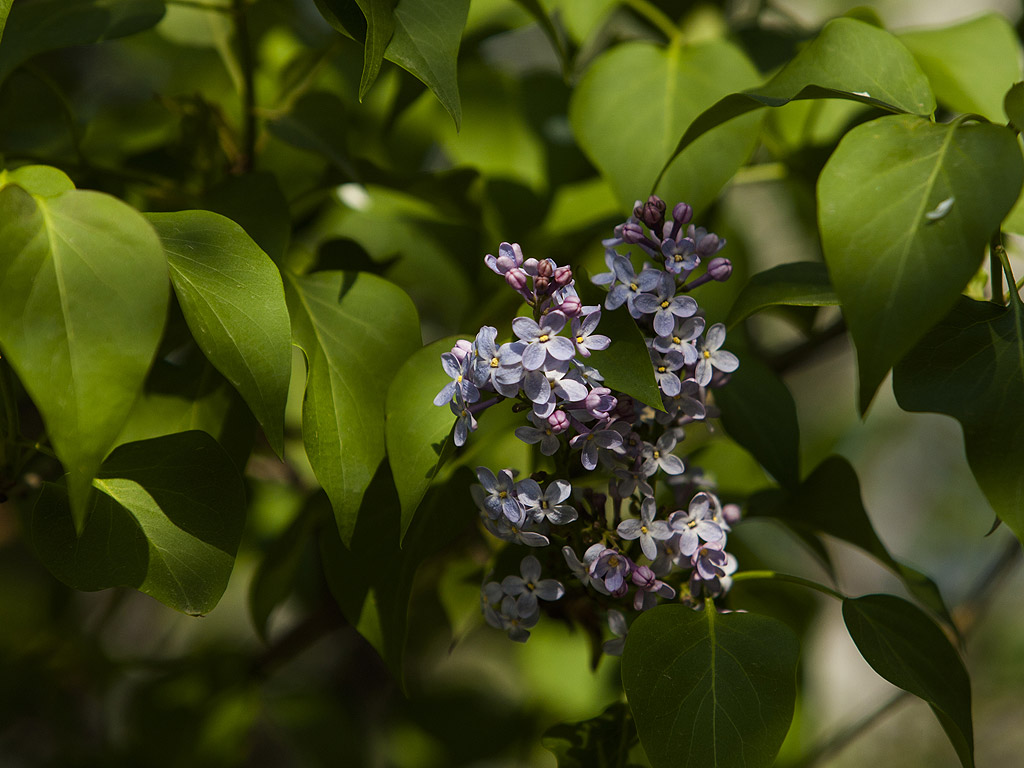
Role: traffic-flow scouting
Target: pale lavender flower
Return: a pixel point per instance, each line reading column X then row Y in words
column 648, row 588
column 665, row 367
column 499, row 368
column 680, row 255
column 660, row 456
column 617, row 624
column 465, row 423
column 712, row 573
column 527, row 534
column 542, row 340
column 510, row 256
column 647, row 529
column 513, row 622
column 549, row 503
column 630, row 285
column 541, row 432
column 684, row 403
column 682, row 339
column 496, row 495
column 461, row 386
column 490, row 603
column 711, row 355
column 696, row 524
column 665, row 305
column 581, row 570
column 585, row 338
column 589, row 441
column 529, row 587
column 612, row 568
column 600, row 402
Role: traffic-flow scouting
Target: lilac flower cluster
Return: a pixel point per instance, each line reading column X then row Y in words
column 655, row 519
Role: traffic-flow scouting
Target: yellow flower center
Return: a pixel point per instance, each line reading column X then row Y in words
column 676, row 340
column 662, row 369
column 664, row 304
column 707, row 354
column 543, row 338
column 494, row 362
column 634, row 287
column 579, row 339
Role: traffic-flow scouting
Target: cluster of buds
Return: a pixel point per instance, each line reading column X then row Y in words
column 655, row 530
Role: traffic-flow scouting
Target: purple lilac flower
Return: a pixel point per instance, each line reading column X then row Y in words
column 490, row 603
column 584, row 337
column 682, row 338
column 713, row 569
column 600, row 402
column 617, row 624
column 648, row 588
column 709, row 560
column 630, row 285
column 712, row 355
column 465, row 423
column 607, row 278
column 510, row 255
column 497, row 367
column 547, row 504
column 528, row 587
column 516, row 624
column 527, row 534
column 556, row 382
column 631, row 480
column 496, row 495
column 647, row 529
column 660, row 456
column 461, row 385
column 612, row 568
column 665, row 367
column 665, row 305
column 696, row 524
column 541, row 432
column 542, row 340
column 680, row 255
column 589, row 441
column 581, row 570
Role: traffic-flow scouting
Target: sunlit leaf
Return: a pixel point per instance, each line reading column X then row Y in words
column 46, row 25
column 906, row 208
column 415, row 429
column 168, row 523
column 5, row 9
column 83, row 302
column 970, row 65
column 971, row 366
column 909, row 650
column 848, row 60
column 356, row 331
column 1013, row 105
column 709, row 689
column 634, row 101
column 233, row 300
column 41, row 180
column 799, row 284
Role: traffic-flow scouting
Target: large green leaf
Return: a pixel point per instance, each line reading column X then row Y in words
column 829, row 501
column 83, row 301
column 380, row 25
column 168, row 522
column 848, row 60
column 799, row 284
column 710, row 690
column 905, row 647
column 5, row 9
column 906, row 208
column 233, row 300
column 356, row 331
column 46, row 25
column 415, row 429
column 970, row 65
column 634, row 101
column 41, row 180
column 971, row 366
column 759, row 413
column 593, row 742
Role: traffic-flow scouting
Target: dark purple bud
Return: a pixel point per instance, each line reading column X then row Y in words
column 545, row 268
column 719, row 268
column 571, row 306
column 516, row 278
column 558, row 421
column 542, row 285
column 709, row 245
column 651, row 213
column 563, row 276
column 632, row 233
column 682, row 214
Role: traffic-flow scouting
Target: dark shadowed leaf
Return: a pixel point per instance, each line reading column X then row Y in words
column 233, row 300
column 315, row 125
column 848, row 60
column 709, row 689
column 356, row 331
column 759, row 413
column 1013, row 105
column 554, row 32
column 256, row 203
column 971, row 366
column 83, row 302
column 5, row 9
column 636, row 99
column 906, row 208
column 380, row 25
column 800, row 284
column 416, row 431
column 168, row 522
column 46, row 25
column 970, row 65
column 909, row 650
column 602, row 740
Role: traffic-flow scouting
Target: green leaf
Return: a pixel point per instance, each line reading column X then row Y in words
column 356, row 330
column 710, row 689
column 1013, row 105
column 905, row 209
column 592, row 742
column 970, row 65
column 759, row 413
column 168, row 523
column 971, row 366
column 313, row 124
column 799, row 284
column 416, row 430
column 849, row 59
column 626, row 364
column 555, row 34
column 46, row 25
column 41, row 180
column 380, row 25
column 5, row 9
column 83, row 302
column 256, row 203
column 233, row 300
column 426, row 43
column 829, row 501
column 905, row 647
column 635, row 99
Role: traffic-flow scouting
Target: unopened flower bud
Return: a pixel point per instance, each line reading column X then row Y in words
column 632, row 233
column 461, row 349
column 558, row 421
column 563, row 276
column 709, row 245
column 571, row 306
column 542, row 285
column 719, row 268
column 682, row 213
column 545, row 268
column 651, row 213
column 643, row 577
column 516, row 278
column 731, row 513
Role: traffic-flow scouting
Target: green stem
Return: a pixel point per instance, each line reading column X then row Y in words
column 995, row 268
column 775, row 576
column 1008, row 271
column 246, row 157
column 655, row 16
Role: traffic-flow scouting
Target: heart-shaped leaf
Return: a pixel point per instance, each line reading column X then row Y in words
column 906, row 208
column 83, row 302
column 710, row 690
column 168, row 522
column 233, row 300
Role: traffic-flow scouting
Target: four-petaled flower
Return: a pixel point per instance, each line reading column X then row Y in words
column 665, row 305
column 542, row 340
column 647, row 529
column 528, row 587
column 710, row 354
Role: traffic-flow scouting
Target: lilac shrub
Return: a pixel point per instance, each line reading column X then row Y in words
column 646, row 522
